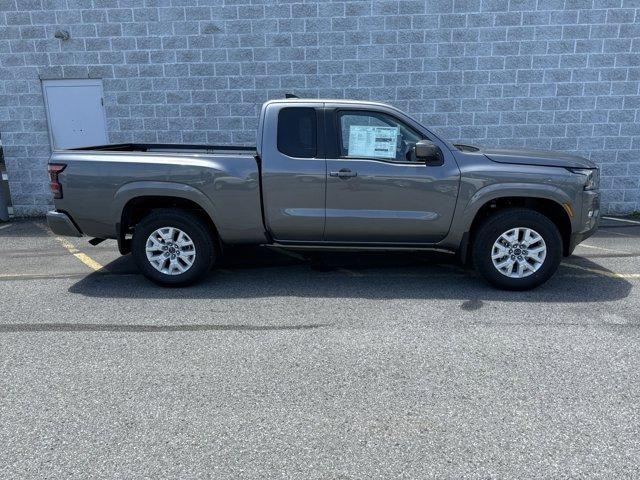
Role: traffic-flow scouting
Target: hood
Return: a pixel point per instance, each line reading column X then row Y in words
column 533, row 157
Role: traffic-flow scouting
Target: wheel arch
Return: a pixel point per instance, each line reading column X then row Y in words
column 557, row 212
column 137, row 206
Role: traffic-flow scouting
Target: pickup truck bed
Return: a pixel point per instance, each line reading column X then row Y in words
column 101, row 182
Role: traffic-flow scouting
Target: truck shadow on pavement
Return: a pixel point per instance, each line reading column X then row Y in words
column 261, row 272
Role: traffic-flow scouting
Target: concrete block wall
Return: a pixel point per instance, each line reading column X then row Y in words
column 550, row 74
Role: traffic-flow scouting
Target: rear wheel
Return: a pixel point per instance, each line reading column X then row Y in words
column 517, row 249
column 173, row 247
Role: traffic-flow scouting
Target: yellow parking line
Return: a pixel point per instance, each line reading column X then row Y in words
column 601, row 248
column 604, row 273
column 84, row 258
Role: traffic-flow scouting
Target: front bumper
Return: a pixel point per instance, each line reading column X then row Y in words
column 61, row 224
column 590, row 219
column 590, row 210
column 577, row 238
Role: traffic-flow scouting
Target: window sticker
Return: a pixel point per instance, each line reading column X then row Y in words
column 366, row 141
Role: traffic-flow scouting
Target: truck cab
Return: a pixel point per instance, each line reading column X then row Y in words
column 348, row 172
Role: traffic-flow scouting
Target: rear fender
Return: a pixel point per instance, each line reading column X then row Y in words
column 133, row 190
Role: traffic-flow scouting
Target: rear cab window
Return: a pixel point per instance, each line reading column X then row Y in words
column 298, row 132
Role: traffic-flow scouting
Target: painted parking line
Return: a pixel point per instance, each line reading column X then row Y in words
column 455, row 272
column 602, row 248
column 12, row 277
column 340, row 272
column 5, row 226
column 604, row 273
column 458, row 273
column 70, row 247
column 39, row 276
column 83, row 257
column 626, row 220
column 613, row 232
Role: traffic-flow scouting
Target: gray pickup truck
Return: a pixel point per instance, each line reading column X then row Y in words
column 329, row 175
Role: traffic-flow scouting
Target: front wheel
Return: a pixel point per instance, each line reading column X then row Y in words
column 517, row 249
column 172, row 247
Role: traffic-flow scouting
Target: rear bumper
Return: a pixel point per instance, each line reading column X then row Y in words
column 61, row 224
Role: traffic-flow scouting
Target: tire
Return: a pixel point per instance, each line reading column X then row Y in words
column 188, row 256
column 496, row 237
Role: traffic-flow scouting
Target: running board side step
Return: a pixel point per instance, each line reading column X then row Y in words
column 357, row 248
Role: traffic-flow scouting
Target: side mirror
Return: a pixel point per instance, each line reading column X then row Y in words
column 426, row 151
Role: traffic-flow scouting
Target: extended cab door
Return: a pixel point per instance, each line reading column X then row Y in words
column 293, row 170
column 377, row 190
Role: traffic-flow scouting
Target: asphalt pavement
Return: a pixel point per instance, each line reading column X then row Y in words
column 361, row 366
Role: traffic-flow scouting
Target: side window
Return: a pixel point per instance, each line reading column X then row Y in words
column 376, row 135
column 297, row 132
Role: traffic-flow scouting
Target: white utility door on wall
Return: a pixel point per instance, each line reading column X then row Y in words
column 75, row 113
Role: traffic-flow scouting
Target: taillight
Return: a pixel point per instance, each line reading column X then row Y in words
column 54, row 170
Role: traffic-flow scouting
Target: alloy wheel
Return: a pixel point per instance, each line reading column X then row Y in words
column 170, row 251
column 519, row 252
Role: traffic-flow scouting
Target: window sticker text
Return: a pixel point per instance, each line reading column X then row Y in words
column 367, row 141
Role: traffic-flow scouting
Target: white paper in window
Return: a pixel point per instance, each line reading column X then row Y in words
column 366, row 141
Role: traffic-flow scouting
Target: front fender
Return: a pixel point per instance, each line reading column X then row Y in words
column 466, row 211
column 521, row 189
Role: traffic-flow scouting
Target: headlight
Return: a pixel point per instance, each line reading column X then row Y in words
column 592, row 181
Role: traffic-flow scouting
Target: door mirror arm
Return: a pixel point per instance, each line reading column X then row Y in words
column 429, row 153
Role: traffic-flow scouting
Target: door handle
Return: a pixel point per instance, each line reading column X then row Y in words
column 343, row 173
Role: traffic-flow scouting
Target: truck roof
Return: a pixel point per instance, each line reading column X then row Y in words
column 329, row 100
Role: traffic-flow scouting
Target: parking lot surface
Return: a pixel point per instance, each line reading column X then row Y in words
column 369, row 366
